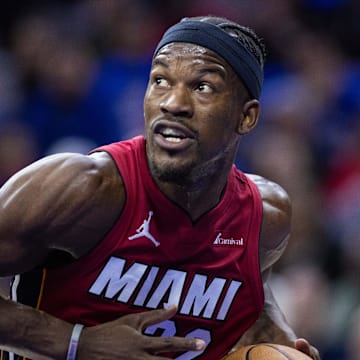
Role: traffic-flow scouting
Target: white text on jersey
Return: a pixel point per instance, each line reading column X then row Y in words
column 141, row 285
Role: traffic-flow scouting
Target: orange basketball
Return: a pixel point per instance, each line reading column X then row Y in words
column 266, row 352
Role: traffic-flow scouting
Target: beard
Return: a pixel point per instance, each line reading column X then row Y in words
column 179, row 175
column 193, row 175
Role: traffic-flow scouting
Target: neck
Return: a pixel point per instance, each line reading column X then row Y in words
column 199, row 196
column 199, row 187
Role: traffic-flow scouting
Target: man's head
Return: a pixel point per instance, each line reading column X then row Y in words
column 238, row 45
column 201, row 97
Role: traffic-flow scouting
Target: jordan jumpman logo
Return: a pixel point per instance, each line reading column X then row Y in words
column 144, row 230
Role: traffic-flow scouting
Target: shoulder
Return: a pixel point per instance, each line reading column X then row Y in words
column 66, row 199
column 71, row 162
column 68, row 170
column 275, row 228
column 271, row 192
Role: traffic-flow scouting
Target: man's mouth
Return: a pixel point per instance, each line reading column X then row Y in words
column 173, row 136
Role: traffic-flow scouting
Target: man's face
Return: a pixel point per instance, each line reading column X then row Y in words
column 192, row 108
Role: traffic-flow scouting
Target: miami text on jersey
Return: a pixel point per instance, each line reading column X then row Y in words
column 142, row 285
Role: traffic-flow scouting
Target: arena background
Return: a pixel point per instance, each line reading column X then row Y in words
column 73, row 74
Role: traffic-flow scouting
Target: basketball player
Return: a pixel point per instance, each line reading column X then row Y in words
column 155, row 247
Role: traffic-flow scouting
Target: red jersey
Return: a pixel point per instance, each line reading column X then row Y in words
column 155, row 255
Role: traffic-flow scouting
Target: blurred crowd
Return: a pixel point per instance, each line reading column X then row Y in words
column 73, row 75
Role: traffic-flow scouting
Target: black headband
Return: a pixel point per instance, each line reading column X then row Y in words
column 216, row 39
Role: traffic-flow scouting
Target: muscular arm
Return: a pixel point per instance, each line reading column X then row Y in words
column 67, row 203
column 64, row 202
column 56, row 203
column 272, row 325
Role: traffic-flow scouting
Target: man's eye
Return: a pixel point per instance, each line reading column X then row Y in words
column 206, row 88
column 161, row 82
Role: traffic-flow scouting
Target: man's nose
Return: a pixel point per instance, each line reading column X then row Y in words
column 178, row 102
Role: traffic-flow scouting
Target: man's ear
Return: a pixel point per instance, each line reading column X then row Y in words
column 249, row 116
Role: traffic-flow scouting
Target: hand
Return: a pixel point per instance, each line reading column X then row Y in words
column 123, row 338
column 304, row 346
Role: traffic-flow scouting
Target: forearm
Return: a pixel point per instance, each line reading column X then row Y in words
column 32, row 333
column 270, row 327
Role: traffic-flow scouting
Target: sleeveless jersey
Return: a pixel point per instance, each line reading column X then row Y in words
column 155, row 256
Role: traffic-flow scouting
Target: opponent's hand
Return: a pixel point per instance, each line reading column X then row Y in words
column 304, row 346
column 123, row 338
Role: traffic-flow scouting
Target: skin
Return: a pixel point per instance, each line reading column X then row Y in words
column 66, row 202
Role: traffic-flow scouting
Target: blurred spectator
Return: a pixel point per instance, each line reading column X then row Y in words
column 128, row 32
column 4, row 286
column 309, row 314
column 353, row 339
column 10, row 91
column 18, row 148
column 63, row 101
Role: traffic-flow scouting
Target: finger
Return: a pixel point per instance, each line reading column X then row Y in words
column 144, row 319
column 304, row 346
column 156, row 316
column 174, row 344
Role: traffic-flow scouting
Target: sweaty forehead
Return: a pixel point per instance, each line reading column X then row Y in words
column 179, row 50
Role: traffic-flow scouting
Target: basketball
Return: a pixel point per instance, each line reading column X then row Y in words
column 266, row 352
